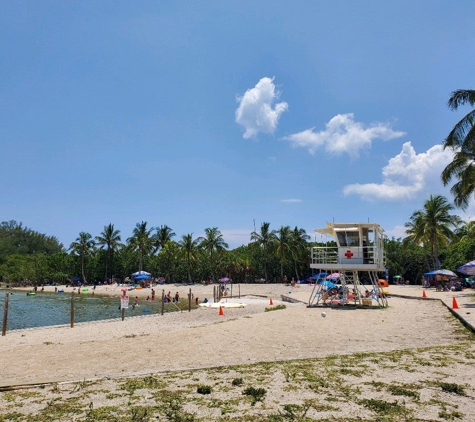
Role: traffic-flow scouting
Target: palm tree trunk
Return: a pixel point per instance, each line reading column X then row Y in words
column 296, row 271
column 82, row 269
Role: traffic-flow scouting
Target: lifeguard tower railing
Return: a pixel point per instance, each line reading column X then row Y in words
column 367, row 258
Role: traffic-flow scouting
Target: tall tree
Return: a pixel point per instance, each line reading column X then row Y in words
column 141, row 240
column 161, row 238
column 189, row 248
column 110, row 238
column 212, row 242
column 432, row 226
column 461, row 141
column 283, row 244
column 466, row 230
column 264, row 239
column 299, row 247
column 83, row 246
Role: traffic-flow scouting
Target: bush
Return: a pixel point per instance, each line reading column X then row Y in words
column 203, row 389
column 256, row 394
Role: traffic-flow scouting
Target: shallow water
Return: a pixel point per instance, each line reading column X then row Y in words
column 46, row 309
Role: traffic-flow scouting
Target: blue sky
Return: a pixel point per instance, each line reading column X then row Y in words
column 226, row 114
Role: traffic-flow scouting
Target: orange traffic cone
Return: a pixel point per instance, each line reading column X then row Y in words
column 424, row 293
column 221, row 312
column 270, row 302
column 455, row 304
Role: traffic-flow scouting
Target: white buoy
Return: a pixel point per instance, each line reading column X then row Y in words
column 324, row 314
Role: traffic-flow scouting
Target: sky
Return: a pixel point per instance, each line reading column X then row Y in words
column 200, row 114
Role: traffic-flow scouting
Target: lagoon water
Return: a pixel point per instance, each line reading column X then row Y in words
column 46, row 309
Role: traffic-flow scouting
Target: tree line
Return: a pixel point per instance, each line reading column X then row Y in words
column 271, row 255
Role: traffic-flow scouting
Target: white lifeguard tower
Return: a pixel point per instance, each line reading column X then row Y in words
column 353, row 252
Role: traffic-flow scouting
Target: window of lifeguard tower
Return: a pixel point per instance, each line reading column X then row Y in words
column 348, row 238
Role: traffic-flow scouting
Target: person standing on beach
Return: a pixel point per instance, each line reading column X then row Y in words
column 153, row 295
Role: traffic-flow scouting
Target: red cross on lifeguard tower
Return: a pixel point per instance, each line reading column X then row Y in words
column 349, row 254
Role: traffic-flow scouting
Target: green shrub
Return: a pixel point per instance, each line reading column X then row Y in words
column 256, row 394
column 203, row 389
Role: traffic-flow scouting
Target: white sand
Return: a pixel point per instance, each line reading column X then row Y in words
column 202, row 338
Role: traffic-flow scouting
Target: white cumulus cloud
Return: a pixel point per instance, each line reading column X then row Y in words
column 343, row 135
column 257, row 112
column 406, row 175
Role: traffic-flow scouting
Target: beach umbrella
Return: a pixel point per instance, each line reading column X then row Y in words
column 333, row 276
column 317, row 276
column 328, row 284
column 447, row 273
column 140, row 273
column 224, row 280
column 142, row 277
column 468, row 268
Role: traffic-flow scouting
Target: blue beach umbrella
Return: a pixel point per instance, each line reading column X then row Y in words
column 328, row 284
column 142, row 277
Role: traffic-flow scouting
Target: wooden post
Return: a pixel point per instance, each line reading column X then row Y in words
column 5, row 315
column 239, row 291
column 123, row 313
column 72, row 309
column 163, row 301
column 189, row 301
column 231, row 289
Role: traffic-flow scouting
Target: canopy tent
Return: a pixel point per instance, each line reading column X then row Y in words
column 468, row 268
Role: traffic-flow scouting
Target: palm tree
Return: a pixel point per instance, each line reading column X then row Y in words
column 461, row 141
column 141, row 240
column 110, row 238
column 83, row 246
column 189, row 247
column 298, row 246
column 264, row 239
column 282, row 250
column 162, row 237
column 466, row 230
column 432, row 225
column 213, row 241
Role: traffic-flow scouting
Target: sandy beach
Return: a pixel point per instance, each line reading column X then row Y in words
column 203, row 339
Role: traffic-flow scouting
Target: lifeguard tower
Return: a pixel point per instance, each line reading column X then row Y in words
column 353, row 253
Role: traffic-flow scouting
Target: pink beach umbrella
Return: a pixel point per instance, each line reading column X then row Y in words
column 333, row 276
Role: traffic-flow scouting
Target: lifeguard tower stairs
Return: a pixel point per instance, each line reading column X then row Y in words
column 353, row 253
